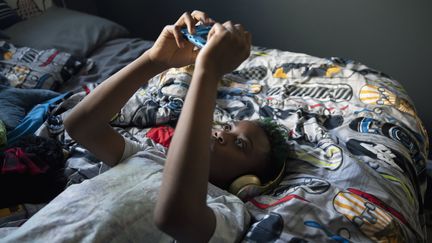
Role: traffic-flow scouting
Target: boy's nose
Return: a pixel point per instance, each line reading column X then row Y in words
column 220, row 136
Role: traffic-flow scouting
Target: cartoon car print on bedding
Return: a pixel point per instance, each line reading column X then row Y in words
column 373, row 221
column 357, row 147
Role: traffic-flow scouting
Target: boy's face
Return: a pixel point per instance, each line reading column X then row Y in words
column 237, row 149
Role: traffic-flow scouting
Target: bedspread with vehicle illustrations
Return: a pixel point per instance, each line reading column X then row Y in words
column 356, row 170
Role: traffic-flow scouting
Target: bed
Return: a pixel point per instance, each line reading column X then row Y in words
column 358, row 163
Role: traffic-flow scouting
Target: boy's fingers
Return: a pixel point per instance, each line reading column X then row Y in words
column 229, row 26
column 186, row 19
column 239, row 27
column 203, row 17
column 210, row 34
column 198, row 15
column 190, row 23
column 175, row 31
column 217, row 27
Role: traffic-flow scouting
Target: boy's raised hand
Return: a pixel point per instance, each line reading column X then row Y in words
column 171, row 49
column 186, row 171
column 228, row 45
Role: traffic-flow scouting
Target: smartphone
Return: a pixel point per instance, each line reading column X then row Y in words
column 199, row 39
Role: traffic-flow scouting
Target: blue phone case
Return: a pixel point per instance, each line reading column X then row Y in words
column 199, row 39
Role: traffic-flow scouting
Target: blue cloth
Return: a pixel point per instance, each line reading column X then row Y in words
column 16, row 103
column 34, row 119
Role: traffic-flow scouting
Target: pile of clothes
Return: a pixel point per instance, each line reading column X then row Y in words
column 31, row 167
column 33, row 170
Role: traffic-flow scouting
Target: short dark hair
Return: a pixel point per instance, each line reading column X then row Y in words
column 277, row 136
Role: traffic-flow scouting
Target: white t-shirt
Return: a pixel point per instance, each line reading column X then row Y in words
column 117, row 206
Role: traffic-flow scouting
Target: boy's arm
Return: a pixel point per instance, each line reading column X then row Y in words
column 88, row 122
column 181, row 210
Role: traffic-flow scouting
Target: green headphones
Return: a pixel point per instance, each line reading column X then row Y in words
column 248, row 186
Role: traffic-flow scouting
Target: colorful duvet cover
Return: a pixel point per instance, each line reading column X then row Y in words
column 357, row 165
column 356, row 170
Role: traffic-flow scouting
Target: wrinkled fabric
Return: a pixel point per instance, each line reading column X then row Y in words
column 25, row 67
column 31, row 172
column 118, row 205
column 16, row 103
column 34, row 119
column 357, row 164
column 16, row 215
column 356, row 168
column 15, row 160
column 161, row 135
column 109, row 58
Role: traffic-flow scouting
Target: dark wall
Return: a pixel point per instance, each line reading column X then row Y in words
column 394, row 36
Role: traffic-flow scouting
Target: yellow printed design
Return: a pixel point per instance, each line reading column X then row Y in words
column 7, row 55
column 18, row 75
column 259, row 53
column 373, row 95
column 374, row 222
column 325, row 155
column 404, row 106
column 404, row 186
column 332, row 70
column 279, row 73
column 249, row 87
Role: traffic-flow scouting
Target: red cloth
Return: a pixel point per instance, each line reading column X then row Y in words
column 15, row 160
column 161, row 135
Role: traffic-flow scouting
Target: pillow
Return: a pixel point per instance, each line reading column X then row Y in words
column 66, row 30
column 8, row 16
column 29, row 8
column 30, row 68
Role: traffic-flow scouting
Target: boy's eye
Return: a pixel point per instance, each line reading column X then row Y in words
column 239, row 142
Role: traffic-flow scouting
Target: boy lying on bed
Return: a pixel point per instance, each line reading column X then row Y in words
column 239, row 149
column 197, row 155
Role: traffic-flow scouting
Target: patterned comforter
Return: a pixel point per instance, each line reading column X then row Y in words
column 357, row 164
column 356, row 170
